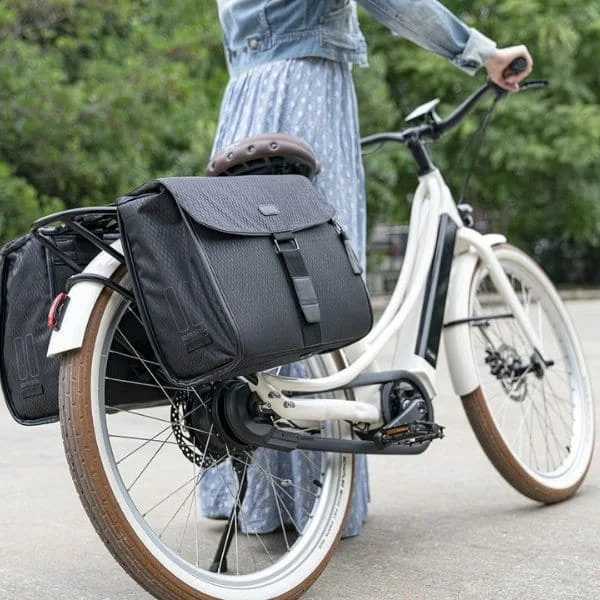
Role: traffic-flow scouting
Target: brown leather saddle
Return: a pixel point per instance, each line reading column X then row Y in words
column 266, row 153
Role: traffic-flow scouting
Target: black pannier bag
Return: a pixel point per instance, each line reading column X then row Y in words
column 34, row 268
column 235, row 275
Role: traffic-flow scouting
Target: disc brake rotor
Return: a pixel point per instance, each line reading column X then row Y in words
column 507, row 366
column 193, row 427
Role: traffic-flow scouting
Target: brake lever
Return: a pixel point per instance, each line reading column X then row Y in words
column 526, row 85
column 535, row 84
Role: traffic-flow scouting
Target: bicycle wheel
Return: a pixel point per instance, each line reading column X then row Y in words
column 535, row 423
column 137, row 466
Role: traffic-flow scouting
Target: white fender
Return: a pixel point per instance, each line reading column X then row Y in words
column 82, row 299
column 457, row 340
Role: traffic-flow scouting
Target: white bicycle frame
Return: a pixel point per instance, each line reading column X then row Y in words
column 402, row 318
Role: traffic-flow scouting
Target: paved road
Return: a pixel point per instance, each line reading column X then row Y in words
column 442, row 526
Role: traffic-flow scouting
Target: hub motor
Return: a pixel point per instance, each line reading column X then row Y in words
column 200, row 427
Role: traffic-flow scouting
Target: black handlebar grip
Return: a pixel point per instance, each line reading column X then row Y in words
column 516, row 66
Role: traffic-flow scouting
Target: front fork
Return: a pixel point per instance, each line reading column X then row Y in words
column 472, row 248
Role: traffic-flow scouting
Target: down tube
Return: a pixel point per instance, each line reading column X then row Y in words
column 434, row 301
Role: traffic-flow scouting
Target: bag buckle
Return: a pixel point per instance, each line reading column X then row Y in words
column 281, row 239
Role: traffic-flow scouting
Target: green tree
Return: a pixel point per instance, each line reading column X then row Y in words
column 537, row 175
column 96, row 97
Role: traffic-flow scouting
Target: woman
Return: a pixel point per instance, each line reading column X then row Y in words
column 290, row 63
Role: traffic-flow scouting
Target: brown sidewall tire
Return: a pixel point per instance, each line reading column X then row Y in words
column 502, row 458
column 93, row 487
column 490, row 438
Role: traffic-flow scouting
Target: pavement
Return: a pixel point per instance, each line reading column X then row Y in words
column 441, row 526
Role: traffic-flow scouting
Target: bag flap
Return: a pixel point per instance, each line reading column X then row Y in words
column 13, row 245
column 248, row 204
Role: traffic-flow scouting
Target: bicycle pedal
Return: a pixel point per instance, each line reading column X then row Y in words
column 409, row 434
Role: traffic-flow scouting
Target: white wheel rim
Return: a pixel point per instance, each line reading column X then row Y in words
column 305, row 555
column 576, row 462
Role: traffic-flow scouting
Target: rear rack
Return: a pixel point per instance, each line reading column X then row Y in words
column 98, row 225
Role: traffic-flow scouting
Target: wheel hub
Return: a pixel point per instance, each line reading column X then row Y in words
column 200, row 430
column 507, row 366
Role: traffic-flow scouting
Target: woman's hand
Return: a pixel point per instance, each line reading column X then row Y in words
column 497, row 67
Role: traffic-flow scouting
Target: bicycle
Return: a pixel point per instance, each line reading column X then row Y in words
column 513, row 357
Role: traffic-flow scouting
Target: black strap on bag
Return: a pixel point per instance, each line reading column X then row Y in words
column 302, row 286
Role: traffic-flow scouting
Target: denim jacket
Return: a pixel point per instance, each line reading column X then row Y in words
column 256, row 32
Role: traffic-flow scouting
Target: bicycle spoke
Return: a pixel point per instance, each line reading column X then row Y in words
column 230, row 524
column 142, row 360
column 158, row 386
column 274, row 483
column 129, row 488
column 556, row 405
column 235, row 515
column 135, row 315
column 257, row 536
column 138, row 438
column 146, row 442
column 193, row 490
column 138, row 414
column 150, row 372
column 187, row 521
column 544, row 420
column 168, row 496
column 197, row 546
column 534, row 411
column 309, row 459
column 284, row 481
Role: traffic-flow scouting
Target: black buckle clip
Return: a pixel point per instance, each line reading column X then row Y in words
column 292, row 239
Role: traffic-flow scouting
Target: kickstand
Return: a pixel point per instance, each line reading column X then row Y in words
column 219, row 564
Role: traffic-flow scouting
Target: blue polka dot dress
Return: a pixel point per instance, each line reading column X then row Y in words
column 313, row 99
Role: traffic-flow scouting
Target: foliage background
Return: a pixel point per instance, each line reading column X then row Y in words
column 96, row 97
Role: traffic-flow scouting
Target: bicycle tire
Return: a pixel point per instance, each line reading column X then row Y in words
column 552, row 406
column 98, row 465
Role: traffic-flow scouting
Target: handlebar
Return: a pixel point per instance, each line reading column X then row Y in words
column 434, row 131
column 516, row 66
